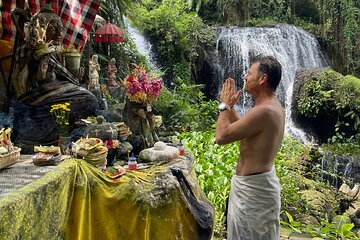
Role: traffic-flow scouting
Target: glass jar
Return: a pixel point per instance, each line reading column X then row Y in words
column 132, row 163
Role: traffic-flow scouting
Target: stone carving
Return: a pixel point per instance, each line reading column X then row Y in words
column 40, row 80
column 94, row 69
column 159, row 153
column 112, row 70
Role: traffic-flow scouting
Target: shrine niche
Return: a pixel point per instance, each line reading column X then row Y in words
column 40, row 80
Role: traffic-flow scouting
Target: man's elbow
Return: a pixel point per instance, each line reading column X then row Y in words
column 219, row 140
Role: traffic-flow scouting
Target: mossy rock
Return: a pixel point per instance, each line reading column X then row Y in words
column 321, row 204
column 322, row 98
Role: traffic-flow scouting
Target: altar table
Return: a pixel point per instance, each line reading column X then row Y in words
column 75, row 200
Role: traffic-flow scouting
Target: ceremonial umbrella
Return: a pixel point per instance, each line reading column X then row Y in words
column 109, row 33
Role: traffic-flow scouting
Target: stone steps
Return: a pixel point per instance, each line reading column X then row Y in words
column 288, row 234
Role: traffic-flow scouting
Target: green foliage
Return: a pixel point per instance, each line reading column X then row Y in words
column 344, row 149
column 347, row 103
column 287, row 171
column 332, row 231
column 330, row 93
column 186, row 106
column 176, row 33
column 341, row 29
column 314, row 99
column 291, row 223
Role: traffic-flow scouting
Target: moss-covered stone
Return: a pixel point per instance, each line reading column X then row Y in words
column 327, row 103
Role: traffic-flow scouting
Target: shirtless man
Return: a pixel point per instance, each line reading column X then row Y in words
column 254, row 200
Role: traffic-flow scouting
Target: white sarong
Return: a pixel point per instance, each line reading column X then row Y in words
column 254, row 207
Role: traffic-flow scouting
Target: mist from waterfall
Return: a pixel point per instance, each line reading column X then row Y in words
column 143, row 45
column 293, row 47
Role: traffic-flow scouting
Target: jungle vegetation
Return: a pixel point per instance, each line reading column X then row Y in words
column 182, row 29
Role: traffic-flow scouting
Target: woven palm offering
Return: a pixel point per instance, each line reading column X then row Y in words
column 46, row 155
column 91, row 150
column 9, row 154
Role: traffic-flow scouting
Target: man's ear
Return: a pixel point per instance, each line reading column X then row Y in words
column 264, row 78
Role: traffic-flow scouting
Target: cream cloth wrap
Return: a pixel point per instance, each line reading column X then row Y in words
column 254, row 207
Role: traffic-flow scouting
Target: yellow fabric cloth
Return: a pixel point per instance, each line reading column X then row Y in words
column 78, row 201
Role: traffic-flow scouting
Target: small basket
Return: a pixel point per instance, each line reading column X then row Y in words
column 10, row 158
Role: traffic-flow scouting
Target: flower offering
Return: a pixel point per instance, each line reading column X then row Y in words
column 142, row 87
column 60, row 113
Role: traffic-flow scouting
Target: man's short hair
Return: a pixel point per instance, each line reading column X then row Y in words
column 270, row 66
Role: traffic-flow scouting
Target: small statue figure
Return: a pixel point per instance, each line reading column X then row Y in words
column 112, row 70
column 94, row 68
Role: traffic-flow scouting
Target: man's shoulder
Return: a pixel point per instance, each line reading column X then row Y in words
column 267, row 112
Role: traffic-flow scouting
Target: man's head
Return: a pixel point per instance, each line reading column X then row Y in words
column 271, row 67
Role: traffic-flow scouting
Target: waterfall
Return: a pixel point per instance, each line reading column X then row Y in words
column 143, row 45
column 293, row 47
column 336, row 169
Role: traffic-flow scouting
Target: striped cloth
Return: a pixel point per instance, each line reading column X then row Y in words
column 77, row 18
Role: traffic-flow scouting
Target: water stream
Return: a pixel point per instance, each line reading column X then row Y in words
column 143, row 45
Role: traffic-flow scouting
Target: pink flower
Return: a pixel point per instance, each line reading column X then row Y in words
column 142, row 87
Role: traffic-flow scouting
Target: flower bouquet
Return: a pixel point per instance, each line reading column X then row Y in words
column 142, row 87
column 60, row 113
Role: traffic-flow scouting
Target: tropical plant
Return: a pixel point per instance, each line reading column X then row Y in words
column 291, row 223
column 185, row 105
column 332, row 230
column 341, row 29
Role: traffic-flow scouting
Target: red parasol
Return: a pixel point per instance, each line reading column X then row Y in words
column 109, row 33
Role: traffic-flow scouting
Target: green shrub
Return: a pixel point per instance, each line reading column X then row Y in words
column 328, row 93
column 186, row 106
column 176, row 33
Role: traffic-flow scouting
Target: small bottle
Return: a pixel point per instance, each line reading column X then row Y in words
column 180, row 146
column 132, row 163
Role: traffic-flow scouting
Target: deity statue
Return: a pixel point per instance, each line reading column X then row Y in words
column 94, row 69
column 112, row 70
column 40, row 80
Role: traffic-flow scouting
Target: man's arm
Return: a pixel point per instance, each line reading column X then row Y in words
column 246, row 126
column 233, row 115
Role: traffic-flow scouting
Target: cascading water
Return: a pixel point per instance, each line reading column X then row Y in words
column 143, row 46
column 336, row 169
column 293, row 47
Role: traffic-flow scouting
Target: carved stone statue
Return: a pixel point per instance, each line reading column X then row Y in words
column 94, row 69
column 112, row 70
column 40, row 80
